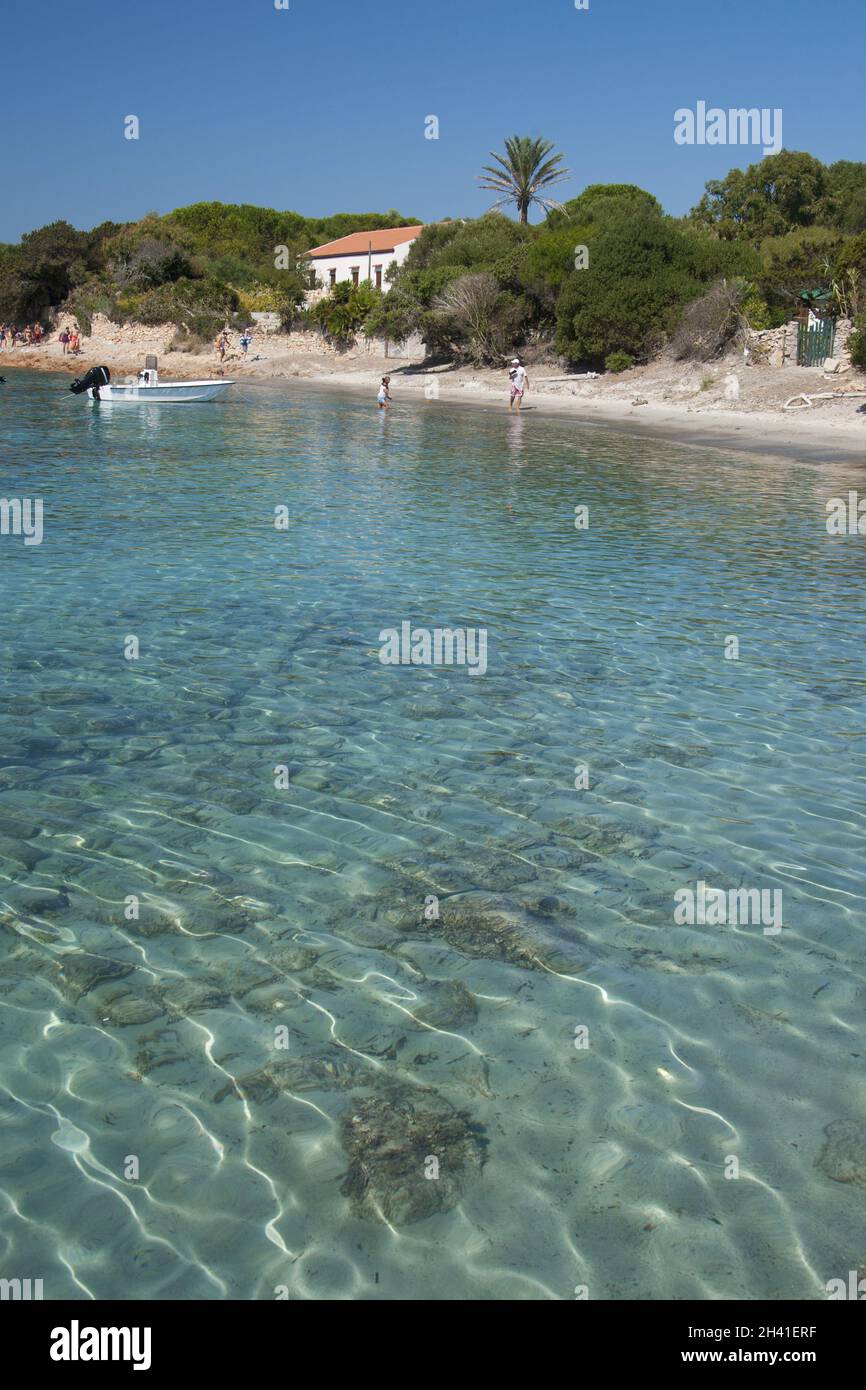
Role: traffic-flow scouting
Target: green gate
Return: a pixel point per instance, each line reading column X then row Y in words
column 815, row 345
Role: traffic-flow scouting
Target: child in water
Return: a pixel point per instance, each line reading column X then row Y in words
column 384, row 396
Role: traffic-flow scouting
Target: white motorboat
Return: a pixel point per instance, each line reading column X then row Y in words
column 147, row 388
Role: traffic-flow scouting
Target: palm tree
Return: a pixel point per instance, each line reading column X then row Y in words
column 523, row 171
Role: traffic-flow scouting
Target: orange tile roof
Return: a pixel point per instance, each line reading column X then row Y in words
column 358, row 243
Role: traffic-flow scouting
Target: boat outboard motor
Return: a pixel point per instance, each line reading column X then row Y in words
column 96, row 377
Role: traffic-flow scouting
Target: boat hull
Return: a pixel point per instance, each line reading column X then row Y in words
column 165, row 393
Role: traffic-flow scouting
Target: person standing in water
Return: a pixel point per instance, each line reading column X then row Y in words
column 519, row 383
column 384, row 396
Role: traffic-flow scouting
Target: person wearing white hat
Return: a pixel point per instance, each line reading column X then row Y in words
column 519, row 383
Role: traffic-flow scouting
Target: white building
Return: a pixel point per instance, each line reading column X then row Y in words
column 362, row 256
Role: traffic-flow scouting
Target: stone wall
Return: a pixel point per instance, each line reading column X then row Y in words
column 303, row 340
column 768, row 343
column 145, row 338
column 413, row 350
column 844, row 329
column 312, row 341
column 265, row 322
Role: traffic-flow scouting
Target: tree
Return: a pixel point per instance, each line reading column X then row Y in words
column 783, row 191
column 849, row 278
column 847, row 180
column 801, row 260
column 42, row 270
column 601, row 202
column 522, row 173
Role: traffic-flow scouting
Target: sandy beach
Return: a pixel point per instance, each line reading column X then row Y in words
column 724, row 403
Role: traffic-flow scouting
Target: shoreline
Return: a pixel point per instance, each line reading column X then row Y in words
column 820, row 435
column 749, row 432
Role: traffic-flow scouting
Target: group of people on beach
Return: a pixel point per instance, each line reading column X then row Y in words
column 10, row 336
column 34, row 335
column 70, row 340
column 223, row 342
column 517, row 377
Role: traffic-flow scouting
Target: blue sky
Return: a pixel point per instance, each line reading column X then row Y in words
column 321, row 108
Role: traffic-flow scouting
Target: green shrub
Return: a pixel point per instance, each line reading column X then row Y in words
column 618, row 361
column 627, row 300
column 800, row 260
column 259, row 299
column 466, row 245
column 346, row 310
column 857, row 344
column 407, row 308
column 608, row 202
column 200, row 306
column 758, row 313
column 849, row 280
column 546, row 264
column 89, row 300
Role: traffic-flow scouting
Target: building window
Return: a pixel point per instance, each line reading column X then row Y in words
column 333, row 275
column 378, row 277
column 356, row 271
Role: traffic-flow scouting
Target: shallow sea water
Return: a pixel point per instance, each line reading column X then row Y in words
column 410, row 1038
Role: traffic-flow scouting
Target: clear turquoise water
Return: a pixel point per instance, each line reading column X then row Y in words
column 304, row 908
